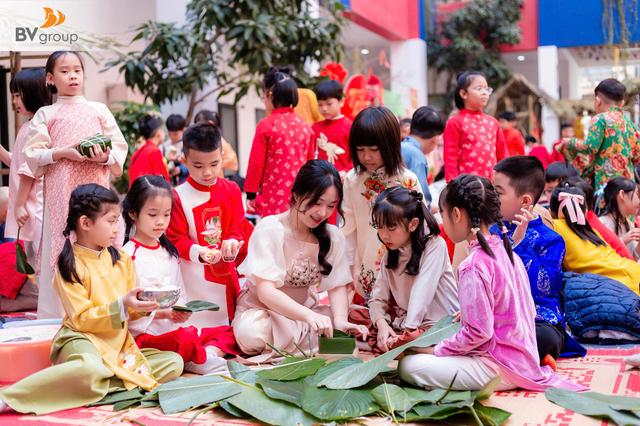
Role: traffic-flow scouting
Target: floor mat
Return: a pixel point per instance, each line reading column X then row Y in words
column 602, row 370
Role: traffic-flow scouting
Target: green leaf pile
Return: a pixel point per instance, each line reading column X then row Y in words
column 622, row 410
column 294, row 392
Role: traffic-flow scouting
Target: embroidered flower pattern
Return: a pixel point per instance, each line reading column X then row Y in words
column 302, row 273
column 378, row 182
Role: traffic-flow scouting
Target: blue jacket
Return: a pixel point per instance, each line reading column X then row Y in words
column 593, row 302
column 415, row 161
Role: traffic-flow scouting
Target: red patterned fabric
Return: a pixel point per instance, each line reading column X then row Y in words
column 337, row 132
column 514, row 141
column 147, row 160
column 282, row 144
column 473, row 143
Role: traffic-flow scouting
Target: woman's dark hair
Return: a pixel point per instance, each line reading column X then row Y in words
column 589, row 192
column 611, row 190
column 86, row 200
column 476, row 196
column 149, row 125
column 377, row 126
column 51, row 63
column 313, row 179
column 585, row 231
column 31, row 86
column 283, row 88
column 207, row 116
column 144, row 188
column 463, row 82
column 176, row 122
column 397, row 206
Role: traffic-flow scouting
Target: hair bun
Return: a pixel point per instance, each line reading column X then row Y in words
column 417, row 194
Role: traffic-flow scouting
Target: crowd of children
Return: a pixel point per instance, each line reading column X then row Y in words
column 345, row 209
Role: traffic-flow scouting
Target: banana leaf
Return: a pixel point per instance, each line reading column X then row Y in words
column 617, row 408
column 230, row 409
column 258, row 405
column 242, row 372
column 184, row 394
column 196, row 306
column 103, row 141
column 115, row 397
column 358, row 375
column 331, row 368
column 123, row 405
column 292, row 368
column 290, row 391
column 337, row 345
column 491, row 416
column 331, row 405
column 22, row 264
column 393, row 398
column 482, row 415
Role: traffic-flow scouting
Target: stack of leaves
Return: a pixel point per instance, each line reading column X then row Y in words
column 196, row 306
column 622, row 410
column 308, row 391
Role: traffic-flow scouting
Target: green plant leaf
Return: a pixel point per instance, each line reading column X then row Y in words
column 112, row 398
column 491, row 416
column 290, row 391
column 123, row 405
column 194, row 392
column 235, row 412
column 435, row 411
column 197, row 306
column 22, row 263
column 337, row 345
column 258, row 405
column 393, row 398
column 331, row 405
column 597, row 405
column 331, row 368
column 292, row 368
column 357, row 375
column 339, row 333
column 242, row 372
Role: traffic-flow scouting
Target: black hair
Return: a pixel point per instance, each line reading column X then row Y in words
column 559, row 170
column 397, row 206
column 149, row 125
column 476, row 196
column 427, row 122
column 525, row 173
column 176, row 122
column 142, row 189
column 312, row 180
column 530, row 139
column 463, row 82
column 283, row 88
column 377, row 126
column 589, row 192
column 565, row 126
column 611, row 89
column 206, row 115
column 202, row 136
column 51, row 63
column 30, row 85
column 585, row 231
column 507, row 115
column 86, row 200
column 405, row 121
column 329, row 89
column 611, row 190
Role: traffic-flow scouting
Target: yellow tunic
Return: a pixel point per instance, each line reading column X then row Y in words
column 94, row 308
column 586, row 258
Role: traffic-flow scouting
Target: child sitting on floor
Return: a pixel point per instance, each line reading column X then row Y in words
column 497, row 335
column 587, row 252
column 519, row 181
column 621, row 205
column 415, row 286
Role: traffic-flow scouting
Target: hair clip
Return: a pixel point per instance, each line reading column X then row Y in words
column 475, row 230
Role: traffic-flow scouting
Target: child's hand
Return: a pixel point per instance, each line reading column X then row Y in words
column 230, row 249
column 21, row 215
column 358, row 330
column 251, row 206
column 173, row 315
column 97, row 155
column 522, row 222
column 210, row 256
column 632, row 235
column 386, row 335
column 320, row 323
column 130, row 300
column 71, row 154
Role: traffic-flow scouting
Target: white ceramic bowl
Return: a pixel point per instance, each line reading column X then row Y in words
column 165, row 297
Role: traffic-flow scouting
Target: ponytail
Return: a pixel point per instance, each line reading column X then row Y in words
column 67, row 262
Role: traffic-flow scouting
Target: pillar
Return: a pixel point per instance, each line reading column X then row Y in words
column 409, row 72
column 548, row 80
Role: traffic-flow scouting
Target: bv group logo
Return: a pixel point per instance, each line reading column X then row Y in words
column 52, row 18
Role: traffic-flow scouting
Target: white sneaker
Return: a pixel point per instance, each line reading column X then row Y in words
column 633, row 360
column 213, row 365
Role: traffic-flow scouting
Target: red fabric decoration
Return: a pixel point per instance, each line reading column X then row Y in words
column 335, row 71
column 12, row 280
